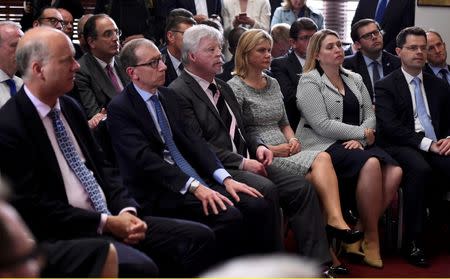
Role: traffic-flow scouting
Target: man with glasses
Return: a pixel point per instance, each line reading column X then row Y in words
column 174, row 38
column 413, row 126
column 50, row 17
column 68, row 29
column 100, row 77
column 437, row 56
column 371, row 61
column 287, row 69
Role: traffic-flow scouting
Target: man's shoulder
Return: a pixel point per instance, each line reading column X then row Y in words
column 281, row 61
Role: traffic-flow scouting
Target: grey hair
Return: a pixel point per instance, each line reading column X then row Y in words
column 193, row 36
column 34, row 50
column 8, row 23
column 128, row 56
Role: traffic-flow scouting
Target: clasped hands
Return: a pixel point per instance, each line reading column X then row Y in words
column 441, row 147
column 369, row 136
column 126, row 227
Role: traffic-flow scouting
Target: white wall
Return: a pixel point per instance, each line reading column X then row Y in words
column 437, row 18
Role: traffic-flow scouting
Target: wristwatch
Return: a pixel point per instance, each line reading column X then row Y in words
column 193, row 187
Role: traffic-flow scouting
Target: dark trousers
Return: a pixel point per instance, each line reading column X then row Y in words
column 240, row 229
column 418, row 170
column 173, row 247
column 299, row 202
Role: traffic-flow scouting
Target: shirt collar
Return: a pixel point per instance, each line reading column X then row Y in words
column 103, row 63
column 369, row 60
column 175, row 62
column 144, row 94
column 42, row 108
column 437, row 69
column 409, row 77
column 204, row 84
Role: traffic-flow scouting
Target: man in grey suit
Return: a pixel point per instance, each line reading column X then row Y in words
column 100, row 77
column 204, row 100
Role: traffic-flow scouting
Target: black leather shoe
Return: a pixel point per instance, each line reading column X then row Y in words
column 339, row 270
column 347, row 236
column 415, row 255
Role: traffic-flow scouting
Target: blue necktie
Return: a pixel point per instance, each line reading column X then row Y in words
column 85, row 176
column 380, row 11
column 12, row 87
column 422, row 111
column 444, row 73
column 170, row 144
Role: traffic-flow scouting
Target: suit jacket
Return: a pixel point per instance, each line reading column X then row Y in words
column 214, row 6
column 94, row 86
column 171, row 72
column 357, row 64
column 139, row 149
column 322, row 110
column 395, row 116
column 427, row 69
column 398, row 15
column 287, row 70
column 30, row 164
column 203, row 118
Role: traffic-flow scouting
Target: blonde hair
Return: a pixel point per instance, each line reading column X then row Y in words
column 314, row 48
column 248, row 41
column 287, row 4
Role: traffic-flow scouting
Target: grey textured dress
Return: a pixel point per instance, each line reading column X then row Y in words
column 264, row 113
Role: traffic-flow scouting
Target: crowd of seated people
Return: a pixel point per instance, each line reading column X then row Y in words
column 161, row 157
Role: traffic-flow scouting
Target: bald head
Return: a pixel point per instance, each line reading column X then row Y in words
column 45, row 56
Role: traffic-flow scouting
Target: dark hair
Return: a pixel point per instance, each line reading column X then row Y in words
column 90, row 28
column 361, row 23
column 175, row 21
column 213, row 23
column 413, row 30
column 41, row 12
column 302, row 23
column 234, row 36
column 178, row 12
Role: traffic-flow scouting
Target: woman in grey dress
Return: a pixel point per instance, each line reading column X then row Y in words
column 264, row 114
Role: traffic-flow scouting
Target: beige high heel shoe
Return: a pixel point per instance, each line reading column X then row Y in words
column 353, row 249
column 371, row 258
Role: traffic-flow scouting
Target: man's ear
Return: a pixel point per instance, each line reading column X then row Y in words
column 170, row 36
column 131, row 74
column 398, row 50
column 357, row 45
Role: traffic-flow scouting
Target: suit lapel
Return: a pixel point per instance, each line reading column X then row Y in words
column 100, row 76
column 140, row 108
column 295, row 64
column 201, row 94
column 433, row 103
column 39, row 135
column 362, row 68
column 404, row 93
column 230, row 99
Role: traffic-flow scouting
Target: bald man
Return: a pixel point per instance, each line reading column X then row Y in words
column 61, row 189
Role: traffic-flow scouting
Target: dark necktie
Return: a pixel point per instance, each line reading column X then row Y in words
column 85, row 176
column 227, row 119
column 170, row 144
column 380, row 11
column 422, row 111
column 12, row 87
column 444, row 73
column 113, row 78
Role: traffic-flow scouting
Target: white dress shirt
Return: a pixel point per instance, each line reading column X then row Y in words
column 426, row 142
column 201, row 7
column 4, row 88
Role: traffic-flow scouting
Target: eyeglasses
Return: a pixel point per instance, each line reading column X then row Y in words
column 415, row 48
column 108, row 34
column 304, row 38
column 178, row 31
column 152, row 63
column 370, row 35
column 53, row 21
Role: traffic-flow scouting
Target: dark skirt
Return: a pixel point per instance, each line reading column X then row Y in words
column 348, row 162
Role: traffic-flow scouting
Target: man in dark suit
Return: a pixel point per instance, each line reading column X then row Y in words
column 413, row 125
column 61, row 185
column 170, row 169
column 200, row 9
column 203, row 112
column 287, row 69
column 393, row 17
column 437, row 57
column 371, row 61
column 233, row 39
column 100, row 77
column 175, row 28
